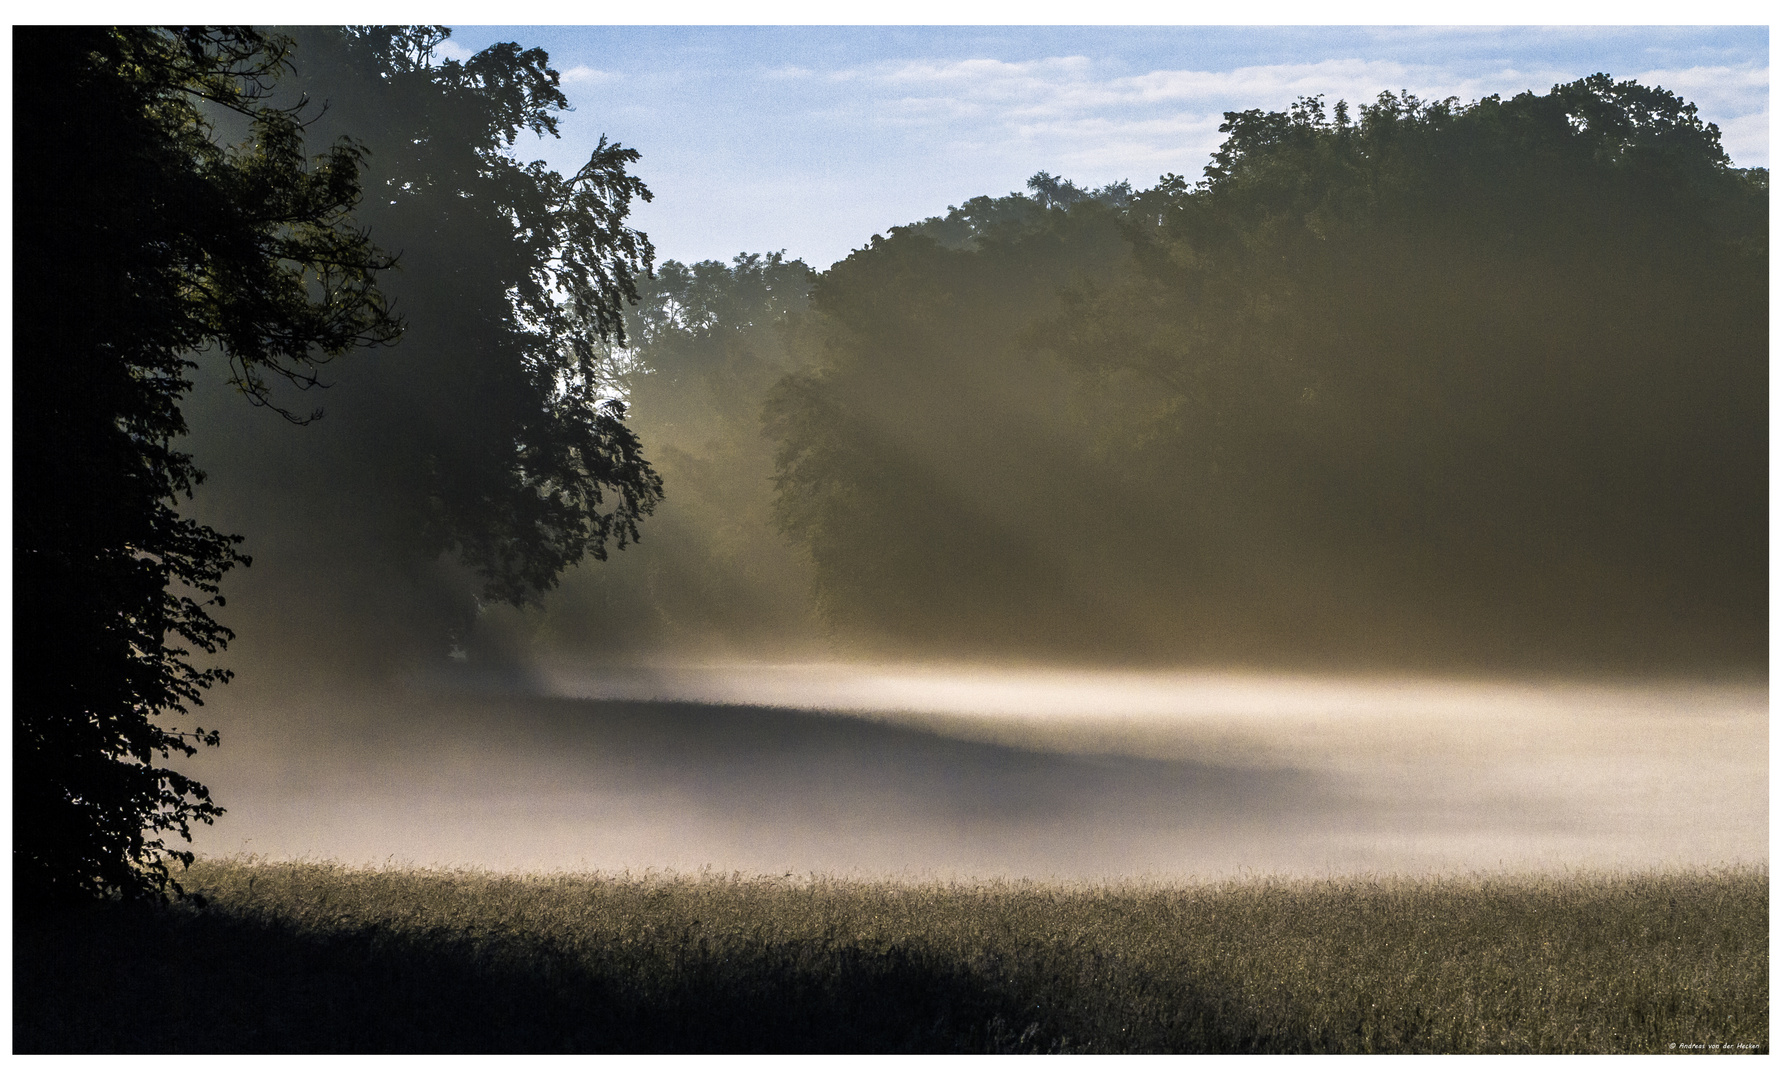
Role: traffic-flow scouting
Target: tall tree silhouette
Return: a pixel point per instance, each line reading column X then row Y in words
column 140, row 239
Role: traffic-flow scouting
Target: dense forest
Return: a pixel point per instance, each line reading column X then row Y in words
column 1423, row 384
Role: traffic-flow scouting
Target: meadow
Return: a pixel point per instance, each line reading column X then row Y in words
column 281, row 957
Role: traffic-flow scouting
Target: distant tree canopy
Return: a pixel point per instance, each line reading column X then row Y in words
column 488, row 452
column 1416, row 382
column 139, row 239
column 707, row 342
column 926, row 458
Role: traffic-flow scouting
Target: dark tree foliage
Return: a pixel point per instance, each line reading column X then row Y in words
column 488, row 452
column 986, row 218
column 1499, row 366
column 1417, row 382
column 141, row 239
column 514, row 277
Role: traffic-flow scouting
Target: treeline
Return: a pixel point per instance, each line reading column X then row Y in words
column 1411, row 383
column 1414, row 383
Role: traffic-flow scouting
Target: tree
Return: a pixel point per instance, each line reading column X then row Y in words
column 1417, row 383
column 707, row 342
column 1486, row 379
column 488, row 452
column 925, row 462
column 139, row 240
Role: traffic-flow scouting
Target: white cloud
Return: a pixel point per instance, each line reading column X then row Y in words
column 451, row 50
column 1717, row 91
column 1748, row 82
column 582, row 73
column 1071, row 109
column 986, row 71
column 1069, row 85
column 1747, row 139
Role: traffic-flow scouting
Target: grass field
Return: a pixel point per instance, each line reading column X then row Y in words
column 299, row 957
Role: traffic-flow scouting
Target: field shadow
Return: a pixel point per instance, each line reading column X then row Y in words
column 516, row 781
column 754, row 758
column 747, row 760
column 115, row 979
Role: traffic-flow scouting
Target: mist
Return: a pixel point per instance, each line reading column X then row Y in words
column 920, row 772
column 1393, row 501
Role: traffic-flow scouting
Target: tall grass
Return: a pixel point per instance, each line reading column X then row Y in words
column 308, row 957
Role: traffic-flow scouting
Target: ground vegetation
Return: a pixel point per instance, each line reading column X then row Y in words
column 327, row 959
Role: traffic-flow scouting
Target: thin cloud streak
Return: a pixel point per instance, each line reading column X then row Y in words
column 1065, row 86
column 582, row 73
column 1080, row 115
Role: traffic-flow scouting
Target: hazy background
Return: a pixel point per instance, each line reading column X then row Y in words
column 1024, row 773
column 1024, row 540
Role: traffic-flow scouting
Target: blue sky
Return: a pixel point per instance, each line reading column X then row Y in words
column 811, row 139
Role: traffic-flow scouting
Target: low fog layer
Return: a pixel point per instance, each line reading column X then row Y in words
column 851, row 769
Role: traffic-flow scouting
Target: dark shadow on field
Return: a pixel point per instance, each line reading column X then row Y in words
column 538, row 781
column 753, row 759
column 113, row 979
column 759, row 759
